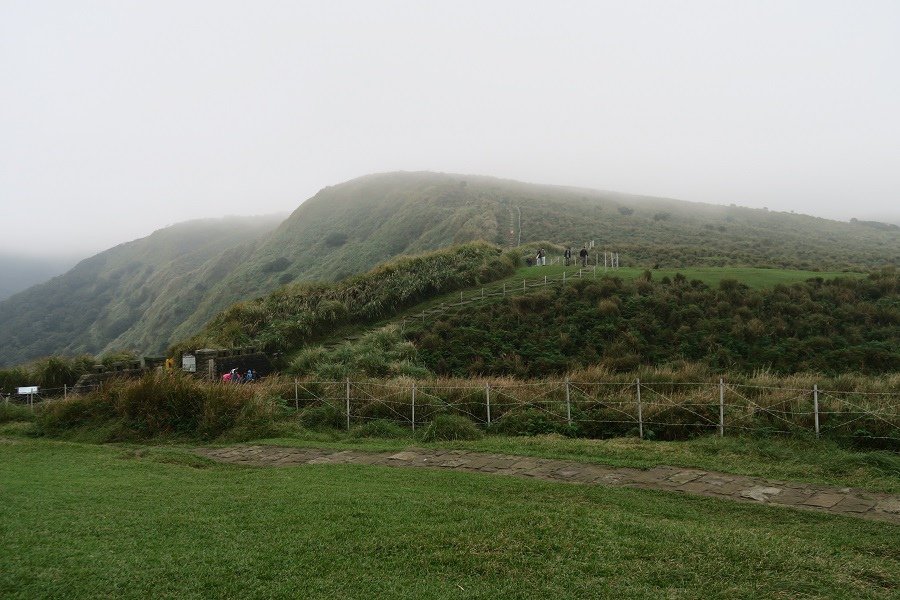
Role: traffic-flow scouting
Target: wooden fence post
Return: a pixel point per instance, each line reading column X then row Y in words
column 640, row 411
column 348, row 404
column 568, row 403
column 296, row 395
column 414, row 406
column 816, row 406
column 721, row 407
column 487, row 400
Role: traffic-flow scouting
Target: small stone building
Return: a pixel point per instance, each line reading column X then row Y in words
column 215, row 362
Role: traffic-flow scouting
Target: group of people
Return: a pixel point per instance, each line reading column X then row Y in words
column 234, row 376
column 540, row 259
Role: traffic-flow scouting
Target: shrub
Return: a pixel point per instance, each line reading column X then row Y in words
column 14, row 412
column 449, row 428
column 160, row 404
column 380, row 428
column 527, row 422
column 323, row 416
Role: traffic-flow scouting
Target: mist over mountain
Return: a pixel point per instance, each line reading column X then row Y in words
column 106, row 294
column 153, row 292
column 21, row 271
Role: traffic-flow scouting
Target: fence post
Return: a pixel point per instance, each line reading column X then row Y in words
column 482, row 293
column 816, row 406
column 296, row 395
column 348, row 404
column 640, row 411
column 721, row 407
column 487, row 399
column 414, row 406
column 504, row 289
column 523, row 286
column 545, row 280
column 65, row 391
column 564, row 276
column 568, row 403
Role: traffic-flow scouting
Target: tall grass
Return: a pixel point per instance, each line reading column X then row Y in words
column 297, row 314
column 162, row 404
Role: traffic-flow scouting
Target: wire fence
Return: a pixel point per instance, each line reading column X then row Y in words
column 597, row 409
column 507, row 289
column 660, row 410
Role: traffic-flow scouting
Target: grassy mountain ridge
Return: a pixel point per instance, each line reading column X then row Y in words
column 103, row 296
column 354, row 226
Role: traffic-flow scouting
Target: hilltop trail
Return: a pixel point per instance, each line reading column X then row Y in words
column 756, row 490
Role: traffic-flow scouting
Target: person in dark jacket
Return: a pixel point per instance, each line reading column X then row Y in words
column 584, row 256
column 568, row 255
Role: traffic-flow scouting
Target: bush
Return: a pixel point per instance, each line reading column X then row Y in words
column 323, row 416
column 380, row 428
column 14, row 412
column 528, row 422
column 160, row 404
column 451, row 427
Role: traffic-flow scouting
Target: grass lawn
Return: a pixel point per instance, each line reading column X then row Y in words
column 86, row 521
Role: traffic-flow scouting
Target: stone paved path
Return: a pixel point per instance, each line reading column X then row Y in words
column 820, row 498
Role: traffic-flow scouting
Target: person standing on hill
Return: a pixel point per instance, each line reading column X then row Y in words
column 568, row 255
column 584, row 255
column 542, row 257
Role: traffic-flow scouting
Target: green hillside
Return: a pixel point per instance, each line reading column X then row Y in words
column 352, row 227
column 103, row 297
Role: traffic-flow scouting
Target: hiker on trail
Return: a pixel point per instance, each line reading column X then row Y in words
column 584, row 255
column 568, row 255
column 226, row 378
column 542, row 257
column 250, row 376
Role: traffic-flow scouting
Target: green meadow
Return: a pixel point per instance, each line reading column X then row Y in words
column 90, row 521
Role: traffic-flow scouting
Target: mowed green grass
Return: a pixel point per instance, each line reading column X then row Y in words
column 84, row 521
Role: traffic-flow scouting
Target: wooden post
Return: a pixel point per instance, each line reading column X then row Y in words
column 348, row 404
column 482, row 293
column 564, row 276
column 523, row 285
column 504, row 289
column 65, row 391
column 640, row 411
column 487, row 400
column 816, row 407
column 296, row 395
column 721, row 407
column 414, row 406
column 568, row 403
column 545, row 280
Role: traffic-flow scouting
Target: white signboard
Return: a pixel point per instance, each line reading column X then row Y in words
column 189, row 363
column 28, row 390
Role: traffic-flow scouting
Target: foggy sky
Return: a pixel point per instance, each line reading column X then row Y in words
column 117, row 118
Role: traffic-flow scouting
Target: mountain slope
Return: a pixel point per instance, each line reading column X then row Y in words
column 105, row 295
column 351, row 227
column 20, row 272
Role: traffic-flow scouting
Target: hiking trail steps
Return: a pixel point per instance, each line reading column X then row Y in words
column 806, row 496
